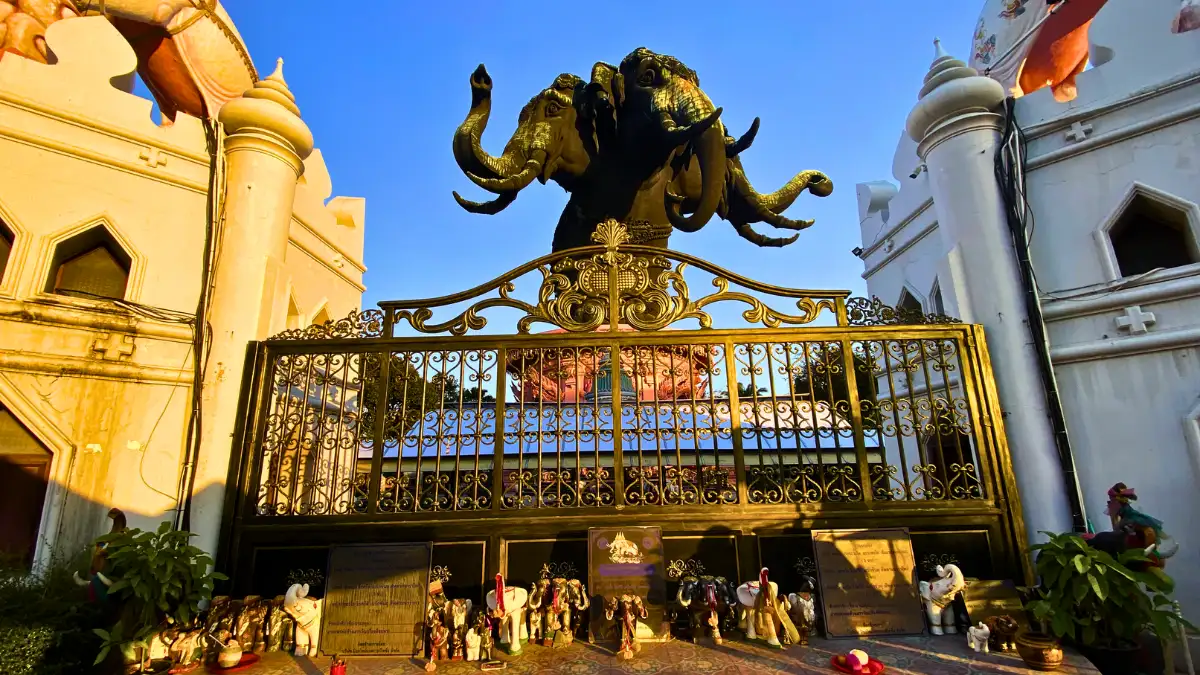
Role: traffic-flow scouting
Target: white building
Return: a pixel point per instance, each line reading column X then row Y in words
column 1112, row 186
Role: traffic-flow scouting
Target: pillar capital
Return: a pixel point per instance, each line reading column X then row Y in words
column 267, row 119
column 954, row 99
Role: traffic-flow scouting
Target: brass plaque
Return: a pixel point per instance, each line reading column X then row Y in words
column 629, row 560
column 375, row 601
column 986, row 599
column 868, row 582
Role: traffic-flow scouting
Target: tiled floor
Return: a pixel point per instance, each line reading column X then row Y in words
column 903, row 656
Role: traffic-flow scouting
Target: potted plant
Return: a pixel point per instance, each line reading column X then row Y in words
column 1102, row 606
column 157, row 579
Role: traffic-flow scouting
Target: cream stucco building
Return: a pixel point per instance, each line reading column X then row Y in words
column 1111, row 186
column 103, row 220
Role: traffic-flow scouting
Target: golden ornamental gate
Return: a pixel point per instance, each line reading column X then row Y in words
column 353, row 432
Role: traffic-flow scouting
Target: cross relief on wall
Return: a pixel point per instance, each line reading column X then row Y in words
column 1136, row 321
column 1078, row 131
column 113, row 347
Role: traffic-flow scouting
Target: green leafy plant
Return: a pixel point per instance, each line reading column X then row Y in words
column 46, row 621
column 157, row 577
column 1090, row 597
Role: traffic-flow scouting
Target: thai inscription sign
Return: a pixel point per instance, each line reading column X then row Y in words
column 375, row 602
column 628, row 561
column 868, row 582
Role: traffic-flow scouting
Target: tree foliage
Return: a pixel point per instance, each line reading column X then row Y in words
column 409, row 396
column 823, row 377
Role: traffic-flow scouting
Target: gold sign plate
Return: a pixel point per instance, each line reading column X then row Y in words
column 868, row 582
column 375, row 600
column 629, row 560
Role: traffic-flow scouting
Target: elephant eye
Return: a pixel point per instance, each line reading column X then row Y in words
column 646, row 78
column 553, row 108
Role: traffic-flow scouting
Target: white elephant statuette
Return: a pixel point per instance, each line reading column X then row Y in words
column 977, row 637
column 307, row 613
column 938, row 598
column 507, row 604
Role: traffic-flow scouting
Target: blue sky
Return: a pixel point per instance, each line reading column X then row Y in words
column 384, row 86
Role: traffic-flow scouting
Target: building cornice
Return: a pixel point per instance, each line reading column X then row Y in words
column 74, row 366
column 899, row 250
column 1164, row 286
column 1115, row 136
column 86, row 317
column 894, row 230
column 1127, row 346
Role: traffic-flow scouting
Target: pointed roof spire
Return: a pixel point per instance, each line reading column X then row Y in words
column 269, row 104
column 938, row 53
column 950, row 88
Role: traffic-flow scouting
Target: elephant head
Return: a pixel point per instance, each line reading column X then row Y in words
column 551, row 142
column 507, row 604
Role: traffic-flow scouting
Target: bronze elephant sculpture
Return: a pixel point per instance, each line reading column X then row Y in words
column 640, row 143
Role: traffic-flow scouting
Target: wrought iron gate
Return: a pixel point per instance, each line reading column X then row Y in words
column 352, row 432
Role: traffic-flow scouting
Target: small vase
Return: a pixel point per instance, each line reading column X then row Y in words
column 1040, row 651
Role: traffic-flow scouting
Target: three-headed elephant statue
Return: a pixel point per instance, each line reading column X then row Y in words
column 708, row 600
column 764, row 613
column 507, row 605
column 938, row 597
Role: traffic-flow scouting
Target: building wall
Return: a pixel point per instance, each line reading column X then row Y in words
column 1132, row 397
column 107, row 391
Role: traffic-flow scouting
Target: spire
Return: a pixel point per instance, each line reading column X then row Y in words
column 269, row 106
column 950, row 88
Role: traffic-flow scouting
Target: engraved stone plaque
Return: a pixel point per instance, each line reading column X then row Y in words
column 868, row 582
column 375, row 603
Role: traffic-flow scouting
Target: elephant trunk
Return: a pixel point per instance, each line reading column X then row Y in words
column 468, row 151
column 710, row 150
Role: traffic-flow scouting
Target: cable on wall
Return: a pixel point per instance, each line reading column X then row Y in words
column 1010, row 174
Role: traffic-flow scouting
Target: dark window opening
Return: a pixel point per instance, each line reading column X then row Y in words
column 935, row 297
column 90, row 265
column 6, row 247
column 909, row 302
column 24, row 473
column 1151, row 235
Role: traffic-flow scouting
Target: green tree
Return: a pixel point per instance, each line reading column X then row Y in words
column 814, row 378
column 471, row 395
column 409, row 396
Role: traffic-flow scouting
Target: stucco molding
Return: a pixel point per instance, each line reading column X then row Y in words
column 10, row 276
column 303, row 222
column 1113, row 137
column 78, row 313
column 137, row 264
column 1179, row 283
column 1102, row 233
column 74, row 366
column 899, row 250
column 62, row 460
column 1148, row 343
column 1191, row 431
column 895, row 229
column 327, row 265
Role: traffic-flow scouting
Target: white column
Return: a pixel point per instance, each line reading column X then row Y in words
column 265, row 148
column 958, row 134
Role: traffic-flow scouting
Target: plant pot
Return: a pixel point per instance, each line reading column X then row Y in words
column 1131, row 660
column 1040, row 651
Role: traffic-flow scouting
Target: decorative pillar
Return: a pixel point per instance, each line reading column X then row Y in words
column 265, row 147
column 958, row 133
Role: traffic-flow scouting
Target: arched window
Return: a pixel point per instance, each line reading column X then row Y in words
column 1151, row 234
column 24, row 473
column 322, row 317
column 90, row 265
column 909, row 302
column 935, row 298
column 6, row 246
column 293, row 314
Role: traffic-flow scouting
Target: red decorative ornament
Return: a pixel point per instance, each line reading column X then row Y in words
column 842, row 665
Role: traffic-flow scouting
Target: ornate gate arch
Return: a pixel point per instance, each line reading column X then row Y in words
column 354, row 432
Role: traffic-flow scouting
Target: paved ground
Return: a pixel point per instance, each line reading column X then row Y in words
column 903, row 656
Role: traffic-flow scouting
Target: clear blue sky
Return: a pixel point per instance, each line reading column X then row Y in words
column 384, row 85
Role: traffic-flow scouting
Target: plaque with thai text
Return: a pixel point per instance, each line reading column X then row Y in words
column 375, row 601
column 628, row 561
column 868, row 582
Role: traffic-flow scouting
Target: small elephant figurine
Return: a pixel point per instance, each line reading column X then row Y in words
column 507, row 605
column 1003, row 631
column 938, row 598
column 977, row 637
column 439, row 640
column 252, row 624
column 307, row 613
column 627, row 609
column 281, row 628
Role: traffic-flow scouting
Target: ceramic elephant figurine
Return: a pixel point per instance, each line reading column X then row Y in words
column 536, row 609
column 765, row 614
column 281, row 628
column 627, row 610
column 307, row 613
column 252, row 624
column 707, row 599
column 977, row 637
column 507, row 605
column 938, row 597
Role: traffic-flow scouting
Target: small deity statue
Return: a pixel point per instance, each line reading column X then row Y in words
column 484, row 627
column 457, row 613
column 1133, row 529
column 439, row 639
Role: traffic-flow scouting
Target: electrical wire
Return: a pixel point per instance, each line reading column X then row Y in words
column 1010, row 175
column 150, row 437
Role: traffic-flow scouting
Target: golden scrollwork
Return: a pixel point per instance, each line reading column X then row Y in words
column 440, row 573
column 615, row 281
column 677, row 569
column 873, row 312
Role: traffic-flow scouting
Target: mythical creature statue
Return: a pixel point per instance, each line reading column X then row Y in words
column 189, row 53
column 97, row 583
column 1133, row 529
column 938, row 598
column 640, row 143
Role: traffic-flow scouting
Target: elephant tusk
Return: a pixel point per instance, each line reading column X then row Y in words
column 742, row 144
column 487, row 208
column 512, row 183
column 78, row 581
column 104, row 580
column 678, row 135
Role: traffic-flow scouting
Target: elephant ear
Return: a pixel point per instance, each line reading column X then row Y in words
column 602, row 96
